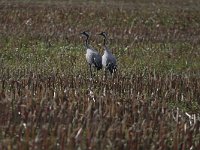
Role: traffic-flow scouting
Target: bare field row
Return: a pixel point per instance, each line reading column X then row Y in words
column 66, row 111
column 63, row 22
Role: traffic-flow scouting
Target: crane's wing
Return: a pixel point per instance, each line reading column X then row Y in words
column 111, row 64
column 97, row 61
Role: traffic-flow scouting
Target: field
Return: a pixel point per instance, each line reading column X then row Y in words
column 47, row 100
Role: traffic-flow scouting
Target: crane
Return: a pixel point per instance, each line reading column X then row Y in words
column 109, row 61
column 93, row 58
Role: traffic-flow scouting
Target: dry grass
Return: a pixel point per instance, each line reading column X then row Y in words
column 48, row 102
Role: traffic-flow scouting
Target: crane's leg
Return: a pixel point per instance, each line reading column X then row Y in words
column 105, row 74
column 112, row 72
column 97, row 72
column 90, row 70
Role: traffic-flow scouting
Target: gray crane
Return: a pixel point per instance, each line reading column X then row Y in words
column 93, row 58
column 108, row 59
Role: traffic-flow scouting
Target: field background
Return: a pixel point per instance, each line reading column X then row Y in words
column 48, row 102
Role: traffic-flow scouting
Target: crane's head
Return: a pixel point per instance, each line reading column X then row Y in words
column 104, row 34
column 85, row 33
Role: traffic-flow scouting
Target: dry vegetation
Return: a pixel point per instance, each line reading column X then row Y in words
column 48, row 102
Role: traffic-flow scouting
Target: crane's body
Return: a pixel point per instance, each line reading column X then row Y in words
column 108, row 59
column 92, row 56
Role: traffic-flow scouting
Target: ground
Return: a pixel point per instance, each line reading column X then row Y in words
column 47, row 100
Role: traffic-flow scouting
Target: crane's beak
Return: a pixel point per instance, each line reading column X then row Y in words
column 84, row 33
column 99, row 34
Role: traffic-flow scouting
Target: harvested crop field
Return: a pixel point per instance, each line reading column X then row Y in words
column 48, row 101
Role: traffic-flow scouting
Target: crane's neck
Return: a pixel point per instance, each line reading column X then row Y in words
column 87, row 42
column 105, row 42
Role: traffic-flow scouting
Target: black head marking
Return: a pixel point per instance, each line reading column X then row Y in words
column 85, row 33
column 104, row 34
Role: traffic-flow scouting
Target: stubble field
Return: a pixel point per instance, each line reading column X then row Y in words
column 47, row 100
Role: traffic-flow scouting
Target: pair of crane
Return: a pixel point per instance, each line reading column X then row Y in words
column 94, row 59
